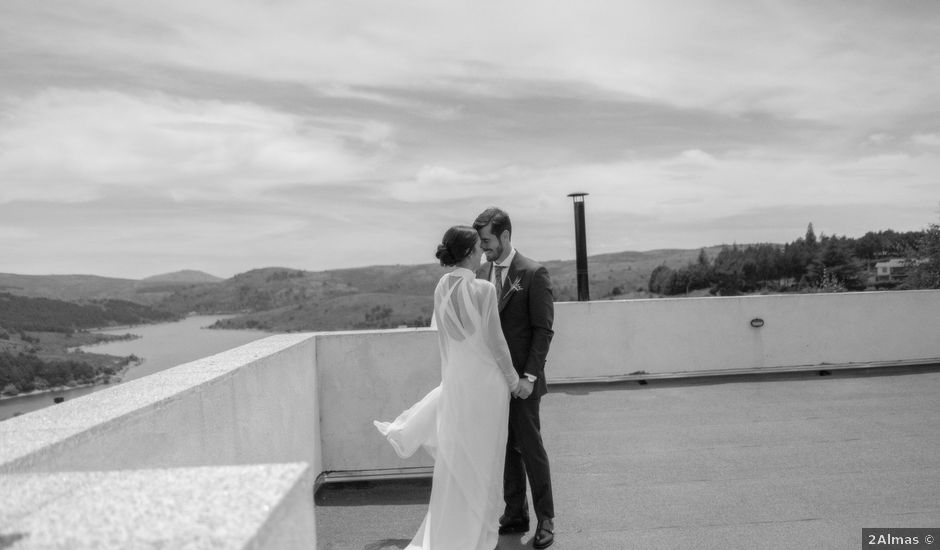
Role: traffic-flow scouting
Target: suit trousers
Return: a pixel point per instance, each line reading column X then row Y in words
column 526, row 458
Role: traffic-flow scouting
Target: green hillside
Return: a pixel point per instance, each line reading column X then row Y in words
column 621, row 275
column 39, row 337
column 288, row 299
column 186, row 276
column 92, row 287
column 282, row 299
column 285, row 299
column 20, row 313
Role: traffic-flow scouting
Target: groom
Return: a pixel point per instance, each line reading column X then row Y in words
column 526, row 310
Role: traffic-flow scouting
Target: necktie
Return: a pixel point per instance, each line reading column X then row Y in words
column 499, row 280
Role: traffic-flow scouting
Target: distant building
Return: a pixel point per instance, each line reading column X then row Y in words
column 892, row 271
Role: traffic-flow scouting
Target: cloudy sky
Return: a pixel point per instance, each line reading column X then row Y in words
column 139, row 138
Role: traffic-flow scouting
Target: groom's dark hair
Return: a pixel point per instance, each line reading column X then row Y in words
column 496, row 216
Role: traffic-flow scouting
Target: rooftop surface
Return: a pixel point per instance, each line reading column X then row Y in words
column 751, row 462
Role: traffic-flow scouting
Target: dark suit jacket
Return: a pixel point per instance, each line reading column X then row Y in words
column 526, row 313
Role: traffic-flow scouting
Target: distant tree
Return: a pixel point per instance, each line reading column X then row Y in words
column 679, row 283
column 924, row 271
column 703, row 259
column 419, row 321
column 904, row 244
column 693, row 276
column 827, row 283
column 767, row 263
column 21, row 313
column 810, row 236
column 837, row 262
column 82, row 372
column 662, row 279
column 728, row 272
column 869, row 247
column 813, row 272
column 792, row 262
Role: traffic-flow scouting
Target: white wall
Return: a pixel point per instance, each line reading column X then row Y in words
column 376, row 375
column 253, row 404
column 166, row 445
column 596, row 339
column 368, row 376
column 219, row 507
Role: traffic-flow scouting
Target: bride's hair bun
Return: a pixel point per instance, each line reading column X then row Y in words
column 456, row 245
column 444, row 255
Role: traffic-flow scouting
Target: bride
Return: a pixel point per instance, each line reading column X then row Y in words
column 463, row 422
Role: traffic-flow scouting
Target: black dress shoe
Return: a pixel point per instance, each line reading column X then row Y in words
column 513, row 525
column 544, row 535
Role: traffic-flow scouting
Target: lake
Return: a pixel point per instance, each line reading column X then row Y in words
column 161, row 346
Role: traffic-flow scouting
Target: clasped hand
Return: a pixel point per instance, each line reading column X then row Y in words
column 524, row 389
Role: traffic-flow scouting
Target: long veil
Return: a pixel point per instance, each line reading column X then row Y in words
column 456, row 318
column 463, row 421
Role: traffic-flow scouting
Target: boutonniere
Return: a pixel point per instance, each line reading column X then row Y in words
column 515, row 286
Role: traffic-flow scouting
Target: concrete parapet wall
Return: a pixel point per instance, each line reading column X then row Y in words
column 376, row 375
column 164, row 508
column 597, row 339
column 371, row 376
column 253, row 405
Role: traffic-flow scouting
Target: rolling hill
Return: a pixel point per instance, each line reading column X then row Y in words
column 285, row 299
column 21, row 313
column 278, row 298
column 186, row 276
column 620, row 275
column 147, row 291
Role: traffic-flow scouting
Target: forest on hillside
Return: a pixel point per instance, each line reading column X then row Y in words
column 27, row 372
column 28, row 326
column 808, row 264
column 20, row 313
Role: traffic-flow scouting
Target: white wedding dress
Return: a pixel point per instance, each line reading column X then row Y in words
column 463, row 422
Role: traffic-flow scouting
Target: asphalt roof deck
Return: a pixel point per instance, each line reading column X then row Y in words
column 784, row 461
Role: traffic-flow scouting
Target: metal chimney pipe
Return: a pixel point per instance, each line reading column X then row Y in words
column 580, row 238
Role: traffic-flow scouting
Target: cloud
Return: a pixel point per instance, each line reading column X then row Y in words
column 929, row 140
column 69, row 145
column 440, row 175
column 441, row 184
column 336, row 134
column 796, row 59
column 696, row 158
column 879, row 138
